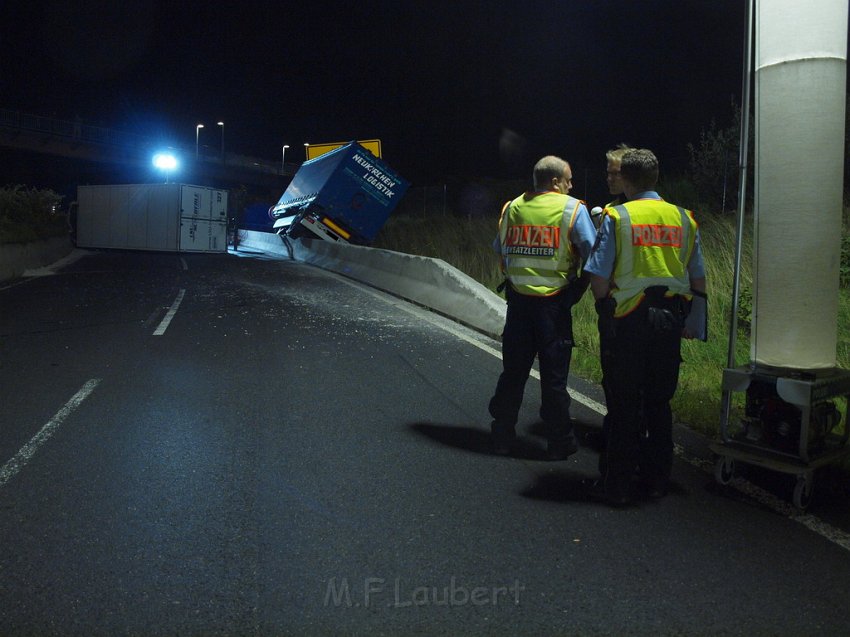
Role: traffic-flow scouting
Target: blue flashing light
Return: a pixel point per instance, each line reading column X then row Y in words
column 165, row 161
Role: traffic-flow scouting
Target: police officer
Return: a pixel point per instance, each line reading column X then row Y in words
column 615, row 188
column 612, row 179
column 645, row 269
column 544, row 236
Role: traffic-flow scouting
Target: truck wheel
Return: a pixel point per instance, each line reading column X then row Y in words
column 724, row 469
column 803, row 491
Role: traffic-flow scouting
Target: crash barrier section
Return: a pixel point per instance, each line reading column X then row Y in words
column 430, row 282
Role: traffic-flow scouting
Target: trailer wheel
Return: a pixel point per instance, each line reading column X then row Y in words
column 724, row 469
column 803, row 491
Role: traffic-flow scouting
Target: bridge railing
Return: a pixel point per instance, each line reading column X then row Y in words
column 69, row 130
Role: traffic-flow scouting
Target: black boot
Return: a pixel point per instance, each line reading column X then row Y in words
column 614, row 493
column 561, row 446
column 502, row 438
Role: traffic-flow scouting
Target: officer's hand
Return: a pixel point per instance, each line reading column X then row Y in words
column 697, row 319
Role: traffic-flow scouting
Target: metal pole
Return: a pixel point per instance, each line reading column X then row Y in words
column 742, row 194
column 222, row 140
column 283, row 158
column 197, row 136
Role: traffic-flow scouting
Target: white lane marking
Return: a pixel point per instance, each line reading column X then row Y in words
column 163, row 325
column 20, row 459
column 815, row 524
column 29, row 275
column 775, row 504
column 429, row 316
column 185, row 265
column 575, row 395
column 49, row 270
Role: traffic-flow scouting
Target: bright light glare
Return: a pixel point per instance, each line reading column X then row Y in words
column 165, row 161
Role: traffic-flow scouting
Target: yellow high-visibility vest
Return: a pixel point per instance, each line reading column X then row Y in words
column 537, row 253
column 655, row 241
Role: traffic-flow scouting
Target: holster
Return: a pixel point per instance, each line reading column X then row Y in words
column 665, row 314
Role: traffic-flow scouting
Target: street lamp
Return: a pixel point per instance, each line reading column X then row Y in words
column 306, row 157
column 283, row 157
column 222, row 140
column 197, row 134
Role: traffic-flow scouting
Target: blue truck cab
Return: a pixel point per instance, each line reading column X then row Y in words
column 344, row 195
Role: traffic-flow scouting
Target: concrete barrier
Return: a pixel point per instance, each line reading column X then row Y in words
column 430, row 282
column 17, row 258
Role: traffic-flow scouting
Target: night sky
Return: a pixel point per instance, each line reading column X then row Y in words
column 453, row 89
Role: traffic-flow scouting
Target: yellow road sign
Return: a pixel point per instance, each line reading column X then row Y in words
column 372, row 145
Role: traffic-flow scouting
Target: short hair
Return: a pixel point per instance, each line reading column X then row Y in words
column 547, row 168
column 639, row 166
column 616, row 154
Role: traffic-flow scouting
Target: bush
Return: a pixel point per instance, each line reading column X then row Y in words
column 714, row 164
column 681, row 191
column 29, row 214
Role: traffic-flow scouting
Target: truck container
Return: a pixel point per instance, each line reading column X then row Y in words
column 162, row 217
column 343, row 195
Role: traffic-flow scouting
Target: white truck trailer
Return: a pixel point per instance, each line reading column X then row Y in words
column 160, row 217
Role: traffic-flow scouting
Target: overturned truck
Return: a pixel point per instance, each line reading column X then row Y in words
column 344, row 195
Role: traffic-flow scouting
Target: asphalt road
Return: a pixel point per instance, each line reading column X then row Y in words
column 224, row 445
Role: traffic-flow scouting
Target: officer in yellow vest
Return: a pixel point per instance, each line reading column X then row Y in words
column 645, row 270
column 612, row 179
column 615, row 188
column 544, row 237
column 612, row 173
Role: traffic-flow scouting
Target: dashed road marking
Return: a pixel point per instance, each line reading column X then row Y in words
column 163, row 325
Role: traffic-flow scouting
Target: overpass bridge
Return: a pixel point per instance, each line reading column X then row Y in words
column 80, row 153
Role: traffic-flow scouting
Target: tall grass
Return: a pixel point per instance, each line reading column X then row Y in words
column 467, row 245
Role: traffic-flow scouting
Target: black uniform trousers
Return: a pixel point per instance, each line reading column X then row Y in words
column 641, row 369
column 541, row 327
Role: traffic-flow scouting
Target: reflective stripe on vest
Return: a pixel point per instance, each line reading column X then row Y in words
column 648, row 254
column 535, row 238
